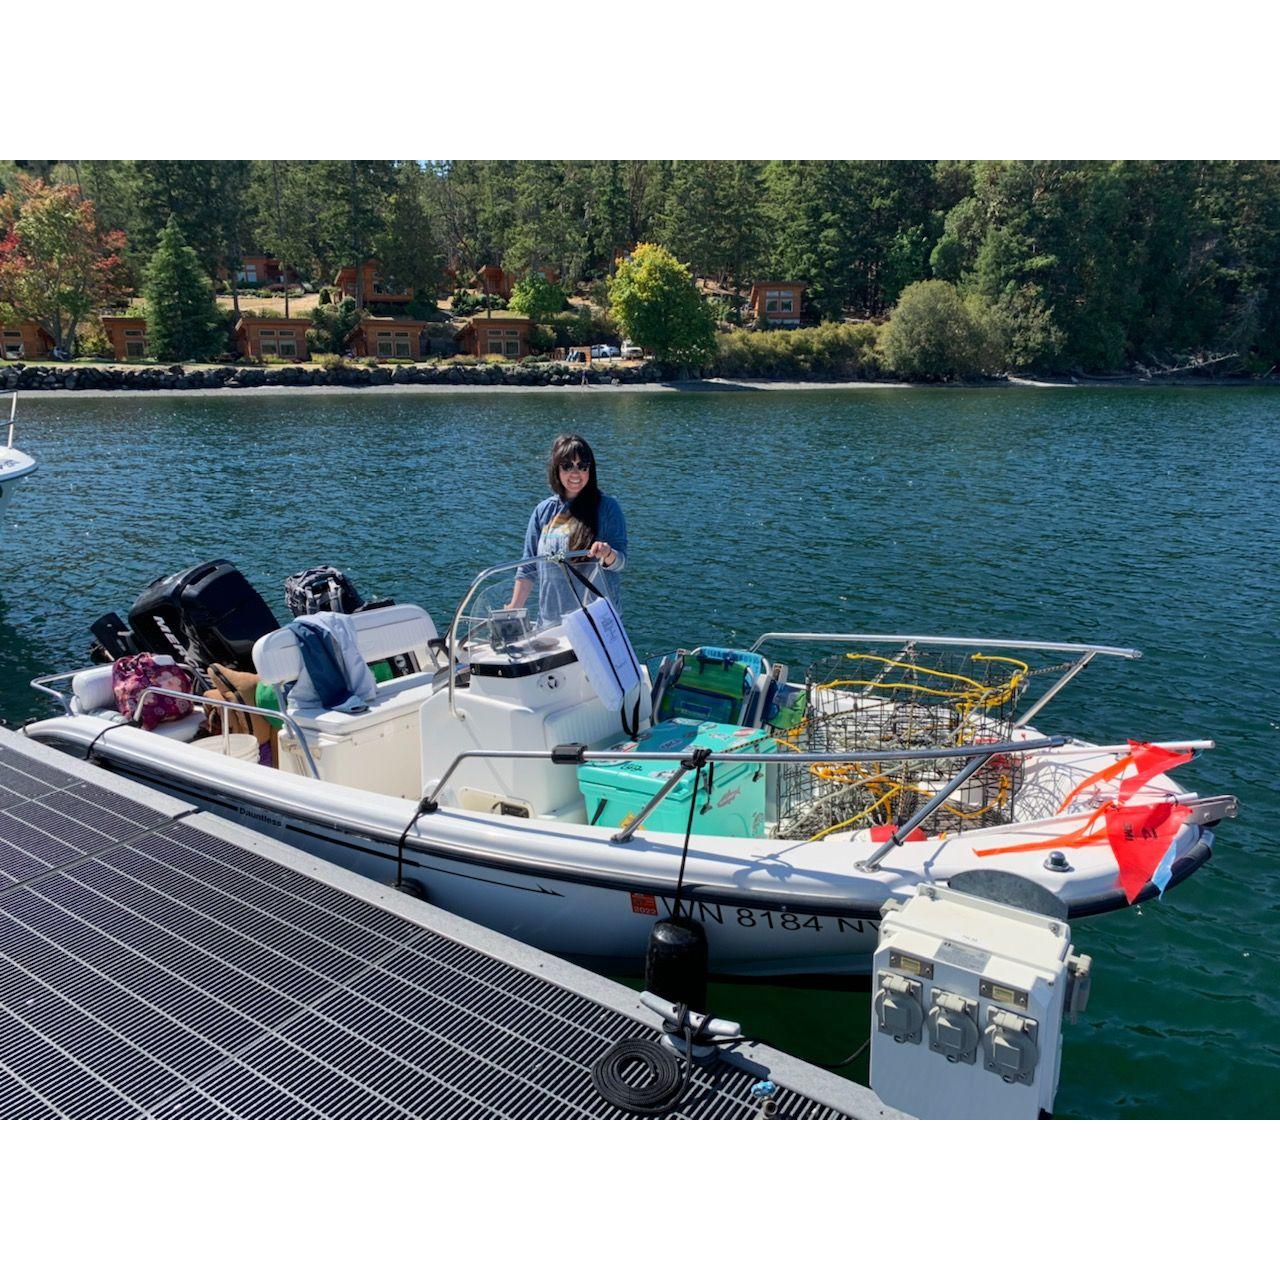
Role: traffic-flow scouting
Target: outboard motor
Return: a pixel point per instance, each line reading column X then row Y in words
column 208, row 613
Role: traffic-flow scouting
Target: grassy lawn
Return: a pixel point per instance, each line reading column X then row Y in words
column 273, row 304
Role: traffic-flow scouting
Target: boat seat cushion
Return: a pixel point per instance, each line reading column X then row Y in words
column 183, row 730
column 381, row 633
column 92, row 694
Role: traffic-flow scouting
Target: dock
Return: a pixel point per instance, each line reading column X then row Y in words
column 160, row 962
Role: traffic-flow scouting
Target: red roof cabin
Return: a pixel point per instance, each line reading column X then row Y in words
column 127, row 335
column 387, row 338
column 25, row 340
column 261, row 269
column 375, row 287
column 259, row 336
column 776, row 301
column 502, row 334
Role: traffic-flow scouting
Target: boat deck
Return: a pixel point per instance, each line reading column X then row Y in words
column 159, row 962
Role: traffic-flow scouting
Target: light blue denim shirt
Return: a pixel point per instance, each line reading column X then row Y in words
column 546, row 535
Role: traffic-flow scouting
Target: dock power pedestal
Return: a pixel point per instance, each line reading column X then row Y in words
column 968, row 997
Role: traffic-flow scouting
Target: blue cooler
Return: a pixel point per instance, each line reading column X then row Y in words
column 731, row 796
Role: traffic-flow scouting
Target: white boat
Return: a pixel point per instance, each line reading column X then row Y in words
column 15, row 466
column 476, row 781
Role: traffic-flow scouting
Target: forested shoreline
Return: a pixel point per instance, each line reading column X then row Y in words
column 1056, row 267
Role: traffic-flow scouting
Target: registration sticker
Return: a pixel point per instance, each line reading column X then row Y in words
column 644, row 904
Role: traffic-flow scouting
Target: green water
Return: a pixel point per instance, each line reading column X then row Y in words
column 1126, row 516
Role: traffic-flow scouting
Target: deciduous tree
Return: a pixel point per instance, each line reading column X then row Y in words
column 57, row 266
column 658, row 306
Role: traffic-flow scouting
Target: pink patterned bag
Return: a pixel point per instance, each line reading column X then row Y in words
column 135, row 672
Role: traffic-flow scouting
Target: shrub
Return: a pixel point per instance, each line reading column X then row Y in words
column 935, row 334
column 331, row 324
column 331, row 361
column 324, row 298
column 91, row 340
column 828, row 350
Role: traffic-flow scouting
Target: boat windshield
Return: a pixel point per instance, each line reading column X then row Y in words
column 520, row 605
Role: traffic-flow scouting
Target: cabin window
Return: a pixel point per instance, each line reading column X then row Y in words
column 504, row 342
column 386, row 344
column 134, row 347
column 287, row 344
column 12, row 344
column 778, row 301
column 402, row 345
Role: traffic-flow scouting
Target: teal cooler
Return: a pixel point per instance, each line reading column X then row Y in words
column 731, row 797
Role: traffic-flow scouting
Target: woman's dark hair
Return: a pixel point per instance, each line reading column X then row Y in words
column 584, row 510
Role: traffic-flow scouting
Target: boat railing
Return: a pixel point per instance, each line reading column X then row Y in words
column 44, row 684
column 1085, row 652
column 13, row 419
column 976, row 755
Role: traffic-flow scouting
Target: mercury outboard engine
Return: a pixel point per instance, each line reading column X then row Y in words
column 208, row 613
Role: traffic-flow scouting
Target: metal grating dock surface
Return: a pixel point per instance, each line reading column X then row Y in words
column 157, row 962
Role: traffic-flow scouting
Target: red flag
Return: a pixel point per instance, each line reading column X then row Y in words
column 1149, row 760
column 1140, row 836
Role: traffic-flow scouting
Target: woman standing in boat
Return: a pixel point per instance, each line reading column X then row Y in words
column 577, row 517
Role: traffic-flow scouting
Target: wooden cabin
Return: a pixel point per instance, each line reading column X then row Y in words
column 259, row 336
column 127, row 335
column 259, row 269
column 776, row 301
column 377, row 289
column 501, row 334
column 502, row 283
column 25, row 340
column 387, row 338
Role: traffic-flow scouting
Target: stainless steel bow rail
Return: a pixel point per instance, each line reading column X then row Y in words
column 44, row 685
column 1086, row 652
column 574, row 753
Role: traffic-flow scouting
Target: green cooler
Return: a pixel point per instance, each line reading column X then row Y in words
column 731, row 797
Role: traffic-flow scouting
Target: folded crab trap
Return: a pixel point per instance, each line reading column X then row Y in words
column 916, row 699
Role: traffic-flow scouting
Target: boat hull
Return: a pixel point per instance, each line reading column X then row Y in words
column 770, row 909
column 15, row 467
column 604, row 925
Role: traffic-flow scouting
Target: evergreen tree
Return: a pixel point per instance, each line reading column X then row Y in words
column 406, row 246
column 183, row 321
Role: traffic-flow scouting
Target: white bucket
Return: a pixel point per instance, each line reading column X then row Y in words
column 239, row 746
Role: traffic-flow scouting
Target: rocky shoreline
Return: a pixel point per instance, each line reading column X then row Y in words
column 177, row 377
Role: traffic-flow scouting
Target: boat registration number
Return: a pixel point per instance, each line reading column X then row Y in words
column 648, row 904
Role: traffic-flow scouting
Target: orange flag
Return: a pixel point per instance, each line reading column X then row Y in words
column 1140, row 836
